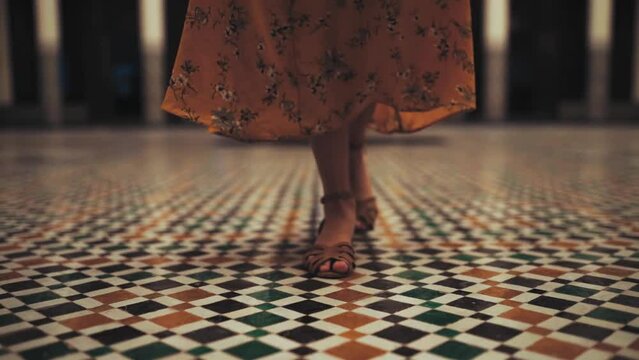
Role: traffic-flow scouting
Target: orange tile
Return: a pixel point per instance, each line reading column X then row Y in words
column 116, row 296
column 9, row 276
column 615, row 271
column 480, row 273
column 352, row 335
column 527, row 316
column 511, row 303
column 348, row 295
column 613, row 349
column 156, row 260
column 349, row 306
column 33, row 262
column 153, row 296
column 538, row 330
column 176, row 319
column 350, row 319
column 635, row 345
column 556, row 348
column 131, row 320
column 182, row 306
column 544, row 271
column 355, row 351
column 214, row 260
column 86, row 321
column 6, row 248
column 94, row 261
column 565, row 244
column 500, row 292
column 191, row 295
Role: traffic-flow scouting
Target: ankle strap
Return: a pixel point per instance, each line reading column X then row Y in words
column 355, row 146
column 335, row 196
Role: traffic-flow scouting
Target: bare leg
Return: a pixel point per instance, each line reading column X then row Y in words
column 331, row 156
column 360, row 180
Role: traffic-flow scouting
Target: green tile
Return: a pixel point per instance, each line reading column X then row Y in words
column 8, row 319
column 617, row 316
column 413, row 275
column 205, row 275
column 423, row 294
column 56, row 286
column 270, row 295
column 437, row 317
column 47, row 351
column 526, row 257
column 404, row 258
column 64, row 278
column 200, row 350
column 151, row 351
column 139, row 275
column 431, row 304
column 252, row 350
column 275, row 275
column 265, row 306
column 257, row 333
column 464, row 257
column 586, row 257
column 576, row 291
column 457, row 350
column 38, row 297
column 260, row 319
column 99, row 351
column 448, row 333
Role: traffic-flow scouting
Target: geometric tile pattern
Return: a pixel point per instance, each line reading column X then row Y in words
column 490, row 244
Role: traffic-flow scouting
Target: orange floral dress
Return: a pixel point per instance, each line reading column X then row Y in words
column 260, row 70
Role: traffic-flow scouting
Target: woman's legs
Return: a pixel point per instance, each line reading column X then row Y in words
column 360, row 181
column 331, row 156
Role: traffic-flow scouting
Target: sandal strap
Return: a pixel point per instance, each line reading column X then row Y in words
column 336, row 196
column 355, row 146
column 318, row 254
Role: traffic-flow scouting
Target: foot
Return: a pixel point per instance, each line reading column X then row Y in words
column 338, row 226
column 360, row 179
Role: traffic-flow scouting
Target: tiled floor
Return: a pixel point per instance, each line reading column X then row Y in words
column 491, row 244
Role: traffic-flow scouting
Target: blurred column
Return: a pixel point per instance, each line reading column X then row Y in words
column 6, row 77
column 635, row 82
column 599, row 42
column 152, row 32
column 47, row 18
column 496, row 36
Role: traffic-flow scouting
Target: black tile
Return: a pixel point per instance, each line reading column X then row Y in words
column 401, row 334
column 388, row 306
column 236, row 284
column 381, row 284
column 209, row 334
column 142, row 307
column 21, row 336
column 62, row 309
column 471, row 304
column 302, row 351
column 506, row 349
column 376, row 266
column 116, row 335
column 91, row 286
column 626, row 300
column 494, row 332
column 440, row 265
column 587, row 331
column 114, row 268
column 225, row 306
column 162, row 285
column 307, row 307
column 552, row 302
column 455, row 283
column 524, row 281
column 52, row 269
column 595, row 280
column 244, row 267
column 305, row 334
column 306, row 319
column 394, row 318
column 503, row 264
column 180, row 267
column 405, row 351
column 21, row 285
column 310, row 285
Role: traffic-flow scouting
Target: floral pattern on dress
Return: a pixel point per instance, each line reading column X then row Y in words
column 257, row 70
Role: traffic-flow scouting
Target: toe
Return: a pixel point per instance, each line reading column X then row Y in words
column 340, row 266
column 326, row 266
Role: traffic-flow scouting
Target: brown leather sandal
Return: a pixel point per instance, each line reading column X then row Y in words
column 342, row 251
